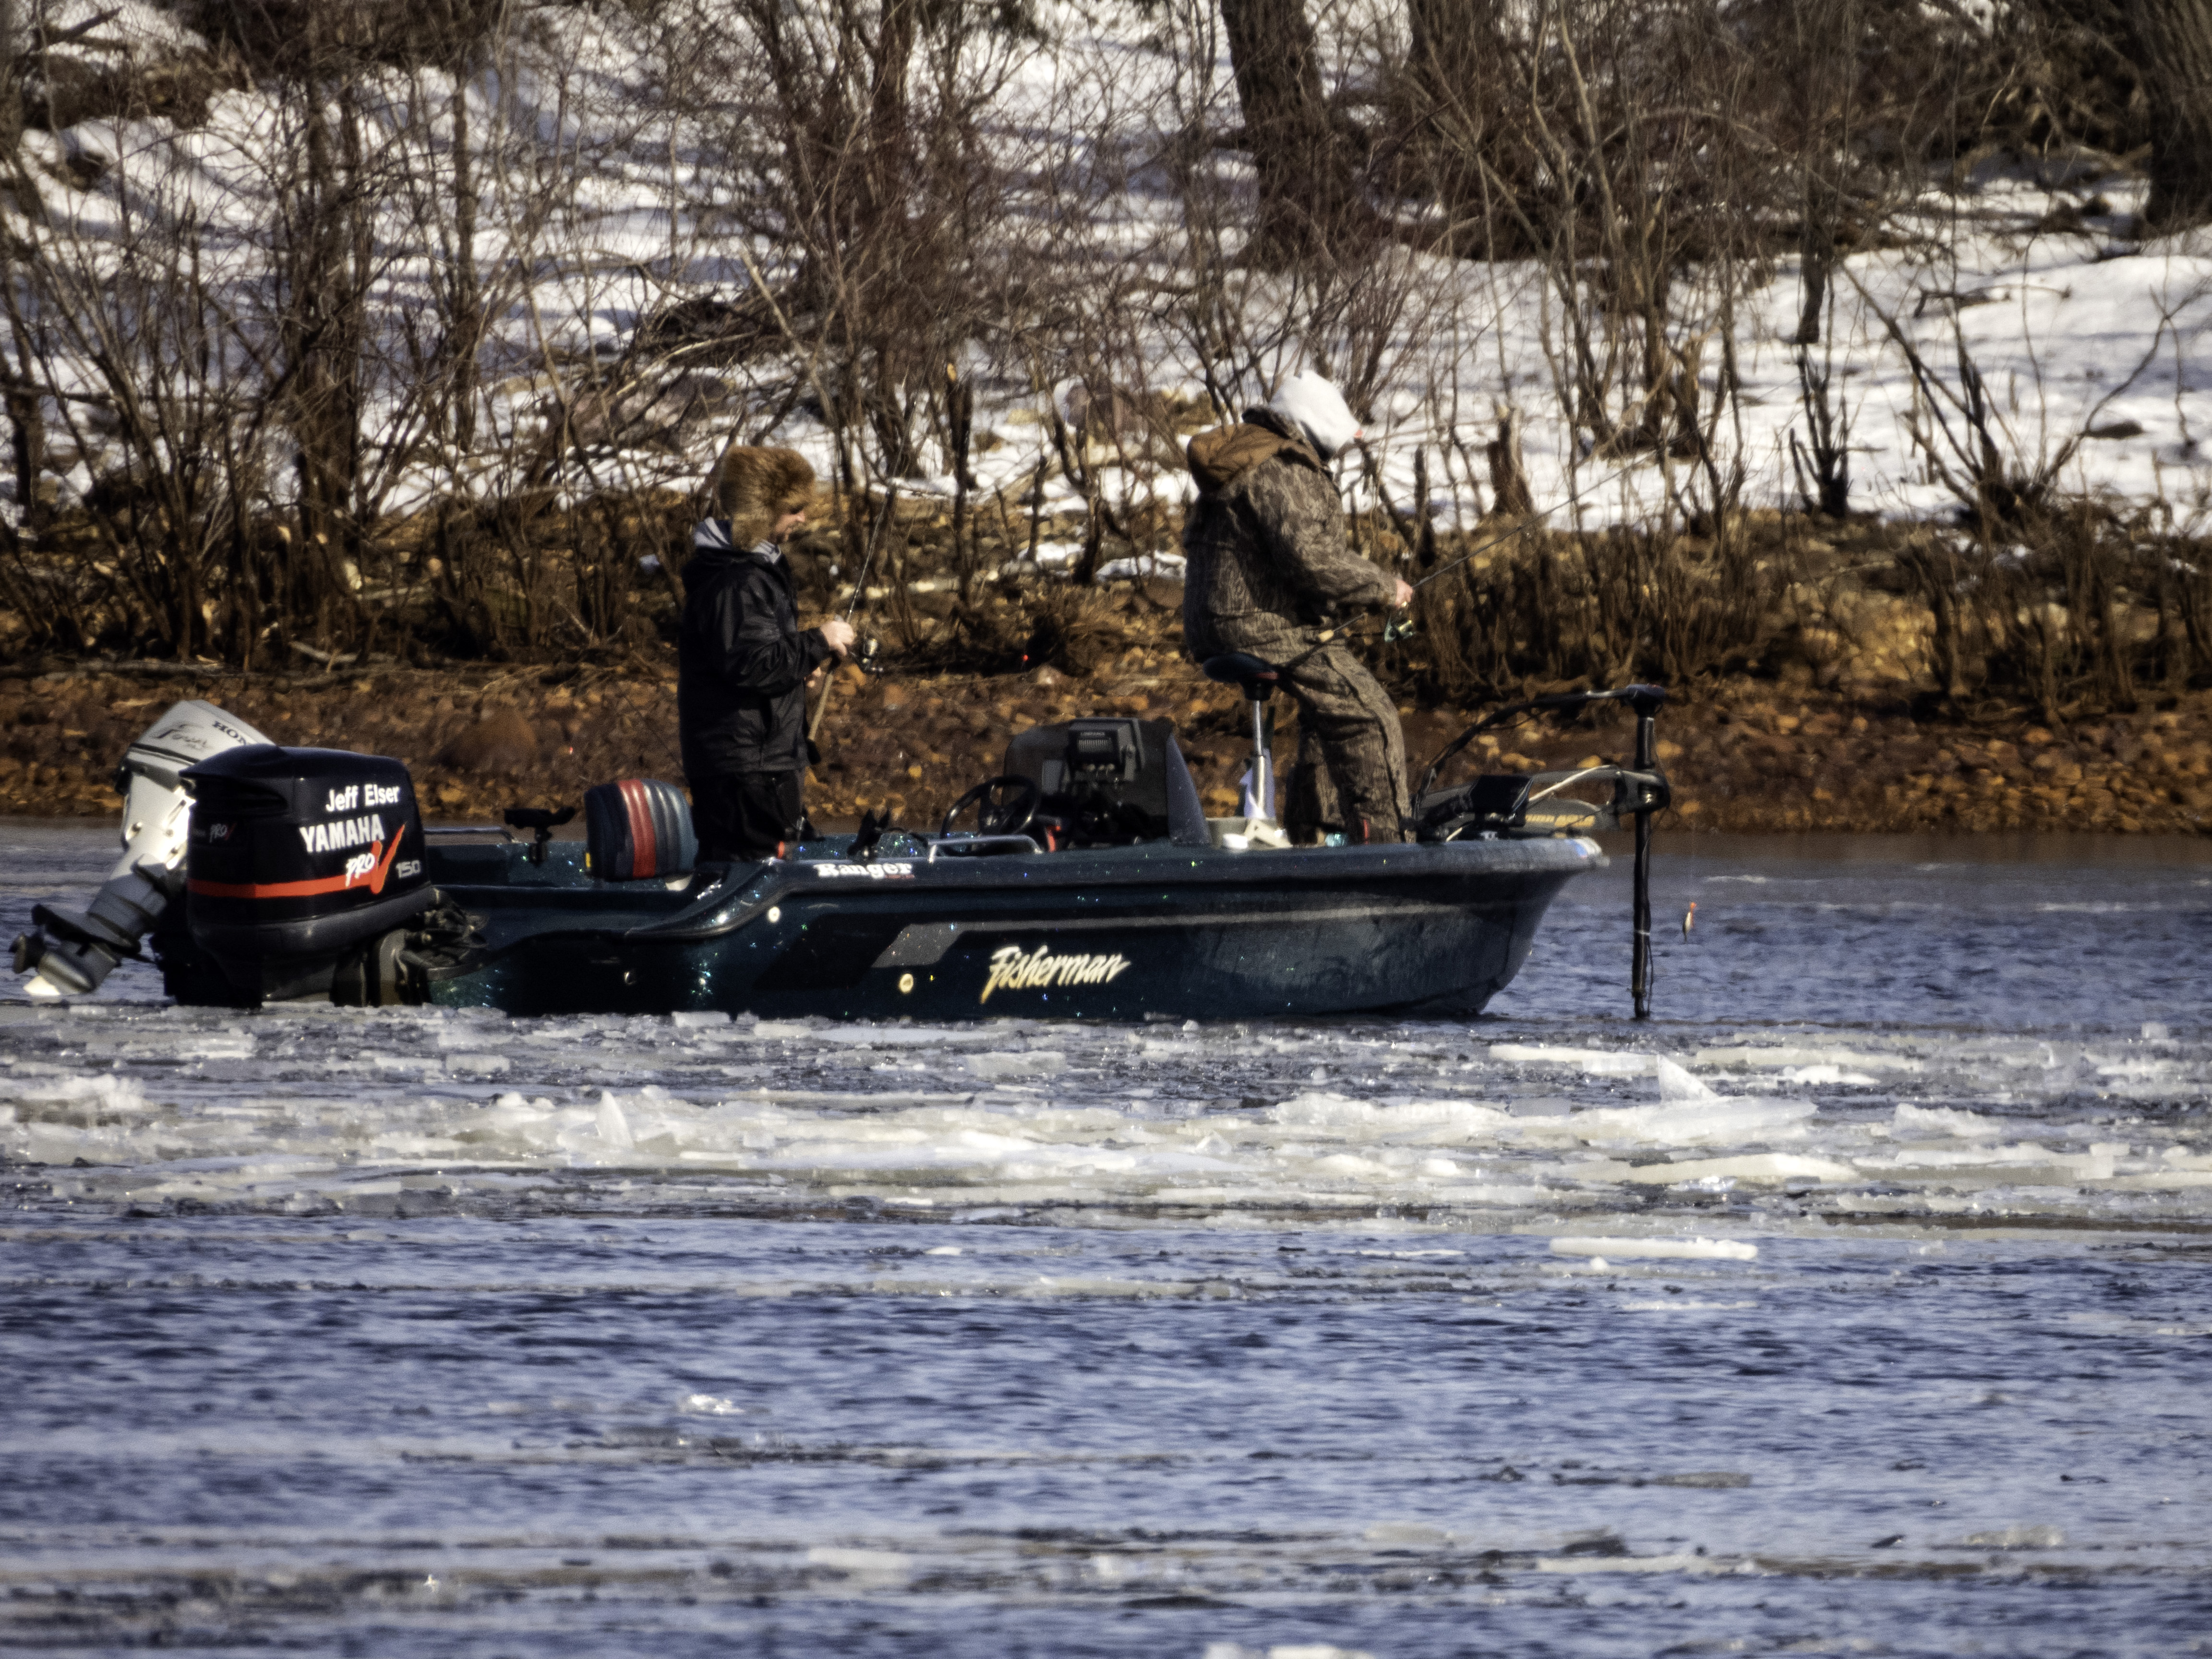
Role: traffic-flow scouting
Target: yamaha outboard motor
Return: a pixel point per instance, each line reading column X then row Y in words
column 297, row 858
column 69, row 952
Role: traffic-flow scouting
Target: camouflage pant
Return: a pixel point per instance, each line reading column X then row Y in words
column 1351, row 764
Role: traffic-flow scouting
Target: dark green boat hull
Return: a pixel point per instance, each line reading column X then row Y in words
column 1125, row 934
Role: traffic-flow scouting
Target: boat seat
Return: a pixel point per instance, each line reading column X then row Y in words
column 638, row 829
column 1241, row 668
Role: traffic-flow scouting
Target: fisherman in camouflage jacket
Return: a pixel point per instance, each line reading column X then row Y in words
column 1270, row 570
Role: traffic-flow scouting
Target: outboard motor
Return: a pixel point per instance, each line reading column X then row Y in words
column 299, row 857
column 69, row 952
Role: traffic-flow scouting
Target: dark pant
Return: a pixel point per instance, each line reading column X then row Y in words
column 749, row 815
column 1351, row 771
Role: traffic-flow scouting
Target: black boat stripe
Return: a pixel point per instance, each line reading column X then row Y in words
column 923, row 943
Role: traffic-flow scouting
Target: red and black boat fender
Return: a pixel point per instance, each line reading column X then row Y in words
column 297, row 857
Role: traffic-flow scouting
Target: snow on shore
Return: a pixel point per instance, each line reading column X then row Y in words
column 2074, row 332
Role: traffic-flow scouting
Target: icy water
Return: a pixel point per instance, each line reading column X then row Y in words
column 1858, row 1303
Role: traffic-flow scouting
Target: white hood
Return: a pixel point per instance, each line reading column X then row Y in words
column 1312, row 405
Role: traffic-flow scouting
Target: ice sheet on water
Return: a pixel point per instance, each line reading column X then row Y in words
column 1935, row 1122
column 1597, row 1062
column 135, row 1105
column 1676, row 1085
column 1672, row 1249
column 1705, row 1121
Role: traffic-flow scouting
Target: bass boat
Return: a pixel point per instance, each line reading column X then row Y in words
column 1092, row 887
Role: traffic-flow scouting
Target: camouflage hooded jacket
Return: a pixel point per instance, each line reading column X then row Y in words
column 1269, row 560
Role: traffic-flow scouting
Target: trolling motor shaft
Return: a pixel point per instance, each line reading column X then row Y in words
column 1640, row 790
column 1645, row 700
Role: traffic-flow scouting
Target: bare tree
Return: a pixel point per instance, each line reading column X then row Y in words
column 1309, row 197
column 2173, row 52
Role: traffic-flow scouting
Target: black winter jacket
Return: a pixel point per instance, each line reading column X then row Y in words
column 742, row 663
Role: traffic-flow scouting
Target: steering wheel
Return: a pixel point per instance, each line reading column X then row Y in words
column 1004, row 805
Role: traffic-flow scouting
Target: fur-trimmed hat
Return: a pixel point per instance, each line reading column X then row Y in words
column 755, row 487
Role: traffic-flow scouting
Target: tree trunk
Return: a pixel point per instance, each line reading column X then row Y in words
column 27, row 428
column 2174, row 53
column 466, row 303
column 1308, row 198
column 1454, row 47
column 1822, row 75
column 322, row 325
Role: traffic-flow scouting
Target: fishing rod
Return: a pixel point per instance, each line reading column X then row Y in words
column 1620, row 472
column 865, row 658
column 1398, row 624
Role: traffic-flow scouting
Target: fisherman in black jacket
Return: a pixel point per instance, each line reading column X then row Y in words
column 742, row 663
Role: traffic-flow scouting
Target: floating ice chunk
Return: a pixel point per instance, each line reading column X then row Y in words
column 906, row 1037
column 1676, row 1085
column 1540, row 1106
column 1685, row 1250
column 1585, row 1563
column 1598, row 1062
column 477, row 1065
column 1712, row 1121
column 1036, row 1062
column 614, row 1127
column 683, row 1020
column 1929, row 1123
column 2015, row 1538
column 1319, row 1108
column 83, row 1100
column 1826, row 1071
column 1783, row 1058
column 1770, row 1169
column 709, row 1404
column 2021, row 1162
column 465, row 1033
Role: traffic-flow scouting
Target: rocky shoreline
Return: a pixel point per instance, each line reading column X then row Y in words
column 1745, row 755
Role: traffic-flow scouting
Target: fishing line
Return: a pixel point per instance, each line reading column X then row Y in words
column 1620, row 472
column 1393, row 629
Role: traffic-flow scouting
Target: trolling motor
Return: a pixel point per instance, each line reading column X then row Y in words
column 1504, row 803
